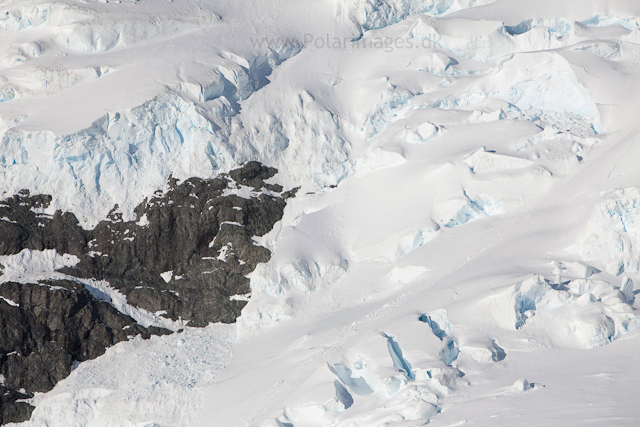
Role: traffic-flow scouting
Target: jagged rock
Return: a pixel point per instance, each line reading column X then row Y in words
column 187, row 254
column 12, row 411
column 194, row 233
column 202, row 237
column 45, row 327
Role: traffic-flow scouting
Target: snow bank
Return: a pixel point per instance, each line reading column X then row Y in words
column 159, row 381
column 76, row 28
column 397, row 245
column 542, row 87
column 376, row 160
column 422, row 133
column 31, row 266
column 479, row 197
column 273, row 283
column 43, row 81
column 582, row 313
column 482, row 161
column 612, row 235
column 375, row 14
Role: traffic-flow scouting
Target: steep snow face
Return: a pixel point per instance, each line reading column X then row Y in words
column 129, row 151
column 188, row 130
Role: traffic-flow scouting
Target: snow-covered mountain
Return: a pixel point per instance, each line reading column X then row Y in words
column 406, row 212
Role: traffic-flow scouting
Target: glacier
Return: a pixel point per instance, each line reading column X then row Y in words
column 461, row 246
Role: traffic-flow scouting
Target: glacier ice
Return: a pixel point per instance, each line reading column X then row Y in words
column 143, row 146
column 612, row 235
column 629, row 23
column 358, row 384
column 581, row 313
column 438, row 322
column 532, row 82
column 573, row 269
column 627, row 290
column 377, row 369
column 521, row 385
column 450, row 352
column 558, row 25
column 323, row 395
column 459, row 210
column 398, row 359
column 385, row 112
column 238, row 78
column 489, row 41
column 436, row 63
column 17, row 19
column 375, row 14
column 492, row 43
column 302, row 276
column 483, row 353
column 208, row 125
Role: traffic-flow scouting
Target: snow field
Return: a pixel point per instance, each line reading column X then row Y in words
column 155, row 382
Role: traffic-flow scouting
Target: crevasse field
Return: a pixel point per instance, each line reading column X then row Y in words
column 464, row 248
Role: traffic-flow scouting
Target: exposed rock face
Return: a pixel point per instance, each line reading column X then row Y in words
column 187, row 254
column 44, row 329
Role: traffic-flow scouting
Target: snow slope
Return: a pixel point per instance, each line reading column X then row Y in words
column 463, row 247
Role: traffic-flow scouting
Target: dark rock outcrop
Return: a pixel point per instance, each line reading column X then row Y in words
column 47, row 327
column 187, row 255
column 12, row 409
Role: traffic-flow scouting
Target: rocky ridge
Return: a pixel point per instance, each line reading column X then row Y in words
column 185, row 257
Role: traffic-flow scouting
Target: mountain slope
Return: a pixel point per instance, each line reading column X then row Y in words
column 462, row 245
